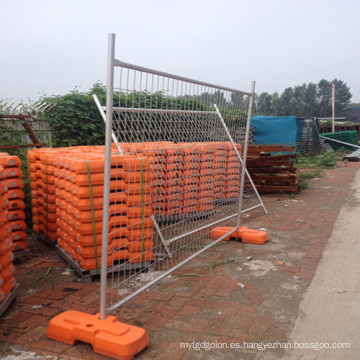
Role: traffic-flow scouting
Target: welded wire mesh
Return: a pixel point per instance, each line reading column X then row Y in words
column 179, row 177
column 309, row 142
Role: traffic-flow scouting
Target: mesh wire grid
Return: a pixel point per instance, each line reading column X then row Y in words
column 179, row 177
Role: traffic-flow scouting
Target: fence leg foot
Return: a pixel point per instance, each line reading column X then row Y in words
column 244, row 234
column 108, row 337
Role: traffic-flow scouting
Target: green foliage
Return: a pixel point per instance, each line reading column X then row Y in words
column 316, row 164
column 75, row 118
column 311, row 174
column 8, row 136
column 325, row 160
column 306, row 100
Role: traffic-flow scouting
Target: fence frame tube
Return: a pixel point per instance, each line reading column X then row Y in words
column 108, row 136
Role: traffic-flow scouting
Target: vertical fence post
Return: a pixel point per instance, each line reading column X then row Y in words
column 245, row 150
column 108, row 134
column 333, row 109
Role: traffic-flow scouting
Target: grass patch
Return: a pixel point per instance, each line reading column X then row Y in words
column 315, row 165
column 308, row 175
column 311, row 174
column 325, row 160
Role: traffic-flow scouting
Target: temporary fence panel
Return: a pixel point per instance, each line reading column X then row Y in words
column 177, row 167
column 308, row 141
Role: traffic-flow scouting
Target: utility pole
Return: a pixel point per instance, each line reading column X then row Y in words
column 333, row 108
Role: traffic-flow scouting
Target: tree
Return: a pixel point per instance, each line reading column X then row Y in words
column 275, row 104
column 264, row 105
column 306, row 100
column 324, row 97
column 311, row 107
column 287, row 102
column 342, row 97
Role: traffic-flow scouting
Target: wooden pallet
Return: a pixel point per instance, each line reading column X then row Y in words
column 9, row 299
column 256, row 150
column 272, row 173
column 88, row 276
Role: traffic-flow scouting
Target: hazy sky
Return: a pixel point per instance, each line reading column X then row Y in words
column 51, row 46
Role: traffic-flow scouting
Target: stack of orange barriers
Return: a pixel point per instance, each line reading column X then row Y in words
column 160, row 178
column 15, row 196
column 233, row 171
column 43, row 190
column 74, row 179
column 8, row 226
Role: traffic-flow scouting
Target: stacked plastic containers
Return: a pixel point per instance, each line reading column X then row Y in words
column 155, row 155
column 221, row 153
column 12, row 225
column 79, row 197
column 138, row 175
column 174, row 180
column 160, row 178
column 206, row 182
column 43, row 197
column 233, row 171
column 15, row 200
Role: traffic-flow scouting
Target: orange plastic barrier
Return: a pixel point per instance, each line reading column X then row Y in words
column 108, row 337
column 160, row 178
column 245, row 234
column 12, row 216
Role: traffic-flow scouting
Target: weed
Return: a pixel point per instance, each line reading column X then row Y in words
column 326, row 160
column 311, row 174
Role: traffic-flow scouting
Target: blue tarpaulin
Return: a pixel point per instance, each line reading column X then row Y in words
column 275, row 130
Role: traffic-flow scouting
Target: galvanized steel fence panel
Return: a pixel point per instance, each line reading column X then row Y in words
column 180, row 172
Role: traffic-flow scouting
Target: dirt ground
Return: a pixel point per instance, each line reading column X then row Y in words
column 207, row 309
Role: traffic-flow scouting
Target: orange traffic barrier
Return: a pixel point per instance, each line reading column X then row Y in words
column 191, row 166
column 245, row 234
column 139, row 257
column 7, row 272
column 19, row 245
column 5, row 246
column 191, row 180
column 177, row 174
column 138, row 246
column 138, row 223
column 138, row 211
column 158, row 182
column 190, row 195
column 6, row 259
column 139, row 234
column 174, row 182
column 13, row 172
column 175, row 159
column 8, row 285
column 108, row 337
column 17, row 235
column 15, row 194
column 176, row 196
column 9, row 161
column 174, row 167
